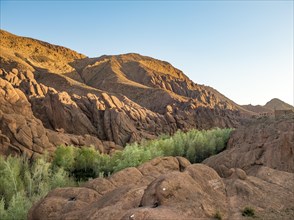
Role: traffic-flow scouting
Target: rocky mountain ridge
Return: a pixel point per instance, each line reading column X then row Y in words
column 269, row 107
column 106, row 101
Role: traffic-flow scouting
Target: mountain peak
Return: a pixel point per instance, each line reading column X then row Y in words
column 29, row 52
column 270, row 106
column 277, row 104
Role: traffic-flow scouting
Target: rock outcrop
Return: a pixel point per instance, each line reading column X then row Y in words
column 23, row 133
column 264, row 142
column 172, row 188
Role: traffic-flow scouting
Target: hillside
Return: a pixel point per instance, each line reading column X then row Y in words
column 270, row 106
column 106, row 101
column 277, row 104
column 256, row 108
column 149, row 82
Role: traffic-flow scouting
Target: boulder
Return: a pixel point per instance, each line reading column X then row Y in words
column 63, row 200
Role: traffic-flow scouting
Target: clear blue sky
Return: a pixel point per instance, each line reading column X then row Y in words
column 244, row 49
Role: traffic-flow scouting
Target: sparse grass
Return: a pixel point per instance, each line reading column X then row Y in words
column 248, row 212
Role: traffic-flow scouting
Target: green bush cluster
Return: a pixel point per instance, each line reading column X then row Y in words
column 194, row 145
column 22, row 183
column 84, row 163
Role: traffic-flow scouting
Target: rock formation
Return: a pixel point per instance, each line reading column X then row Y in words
column 111, row 100
column 264, row 142
column 21, row 132
column 172, row 188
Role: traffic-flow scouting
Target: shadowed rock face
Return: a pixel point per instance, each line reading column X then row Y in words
column 164, row 189
column 109, row 100
column 21, row 132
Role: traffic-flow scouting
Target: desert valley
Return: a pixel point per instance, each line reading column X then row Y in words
column 191, row 152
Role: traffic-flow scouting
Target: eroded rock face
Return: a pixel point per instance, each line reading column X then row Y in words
column 105, row 117
column 265, row 142
column 108, row 117
column 114, row 99
column 172, row 188
column 21, row 132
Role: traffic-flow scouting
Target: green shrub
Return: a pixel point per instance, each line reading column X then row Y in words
column 84, row 163
column 248, row 211
column 132, row 156
column 10, row 181
column 218, row 215
column 18, row 206
column 3, row 211
column 23, row 183
column 65, row 157
column 194, row 145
